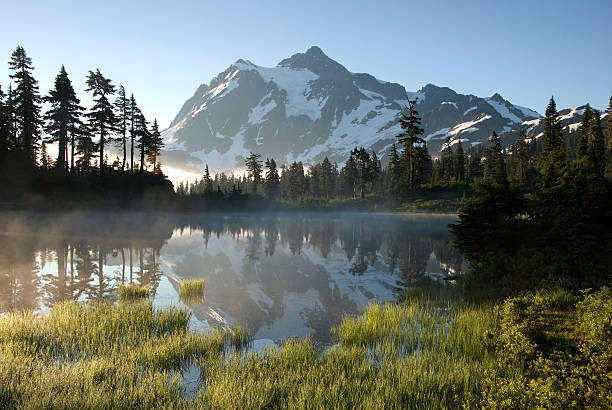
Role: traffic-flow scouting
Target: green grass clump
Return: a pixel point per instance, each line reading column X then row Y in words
column 133, row 292
column 99, row 355
column 240, row 337
column 191, row 291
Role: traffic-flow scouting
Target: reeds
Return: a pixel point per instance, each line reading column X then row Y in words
column 421, row 353
column 133, row 292
column 191, row 291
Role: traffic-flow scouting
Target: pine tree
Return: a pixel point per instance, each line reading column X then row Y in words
column 553, row 160
column 328, row 179
column 272, row 179
column 122, row 110
column 156, row 143
column 608, row 166
column 459, row 162
column 296, row 181
column 395, row 170
column 596, row 146
column 102, row 116
column 45, row 159
column 254, row 169
column 364, row 169
column 410, row 125
column 143, row 138
column 26, row 103
column 520, row 160
column 582, row 133
column 63, row 116
column 487, row 223
column 5, row 136
column 85, row 148
column 134, row 112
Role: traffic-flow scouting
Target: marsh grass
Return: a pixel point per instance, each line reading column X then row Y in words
column 133, row 292
column 192, row 291
column 420, row 353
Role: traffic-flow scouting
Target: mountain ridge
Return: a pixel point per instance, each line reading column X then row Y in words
column 309, row 106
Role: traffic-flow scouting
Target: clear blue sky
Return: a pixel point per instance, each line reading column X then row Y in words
column 161, row 50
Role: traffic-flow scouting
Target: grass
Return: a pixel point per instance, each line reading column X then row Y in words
column 133, row 292
column 192, row 291
column 430, row 351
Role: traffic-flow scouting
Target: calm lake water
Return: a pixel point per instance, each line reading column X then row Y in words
column 280, row 276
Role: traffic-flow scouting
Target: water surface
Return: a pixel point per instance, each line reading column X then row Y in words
column 280, row 276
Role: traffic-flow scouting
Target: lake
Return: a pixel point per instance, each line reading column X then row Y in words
column 280, row 276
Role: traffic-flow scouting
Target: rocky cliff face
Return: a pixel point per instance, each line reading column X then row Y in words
column 310, row 107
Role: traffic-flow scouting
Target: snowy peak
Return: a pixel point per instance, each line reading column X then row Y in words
column 309, row 107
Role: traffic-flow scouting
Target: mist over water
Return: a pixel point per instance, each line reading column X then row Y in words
column 280, row 276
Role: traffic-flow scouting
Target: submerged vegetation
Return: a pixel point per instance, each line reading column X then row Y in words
column 191, row 290
column 429, row 351
column 132, row 291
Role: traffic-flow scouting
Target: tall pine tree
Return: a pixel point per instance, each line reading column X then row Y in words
column 122, row 109
column 553, row 159
column 410, row 137
column 63, row 116
column 26, row 100
column 272, row 179
column 102, row 115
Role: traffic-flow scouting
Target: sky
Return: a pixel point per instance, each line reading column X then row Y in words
column 161, row 50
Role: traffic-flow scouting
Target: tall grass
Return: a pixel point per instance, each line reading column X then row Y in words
column 421, row 353
column 133, row 292
column 191, row 291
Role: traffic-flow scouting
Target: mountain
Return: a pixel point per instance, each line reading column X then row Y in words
column 569, row 118
column 309, row 107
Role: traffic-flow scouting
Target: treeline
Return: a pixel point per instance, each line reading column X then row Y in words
column 362, row 175
column 543, row 217
column 83, row 137
column 410, row 172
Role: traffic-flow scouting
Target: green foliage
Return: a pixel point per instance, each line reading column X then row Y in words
column 543, row 361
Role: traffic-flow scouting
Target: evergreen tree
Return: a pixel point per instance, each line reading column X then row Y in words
column 395, row 170
column 582, row 134
column 122, row 110
column 254, row 168
column 63, row 116
column 553, row 160
column 143, row 138
column 272, row 179
column 328, row 179
column 85, row 148
column 364, row 169
column 520, row 160
column 5, row 136
column 608, row 166
column 26, row 100
column 102, row 115
column 134, row 113
column 296, row 181
column 375, row 172
column 459, row 162
column 410, row 138
column 596, row 146
column 45, row 159
column 208, row 183
column 156, row 144
column 487, row 223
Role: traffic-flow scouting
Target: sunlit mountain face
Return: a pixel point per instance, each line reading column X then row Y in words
column 310, row 107
column 280, row 276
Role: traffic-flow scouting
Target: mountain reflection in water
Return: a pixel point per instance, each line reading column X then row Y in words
column 279, row 275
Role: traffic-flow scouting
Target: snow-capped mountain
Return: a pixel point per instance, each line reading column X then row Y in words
column 309, row 107
column 570, row 119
